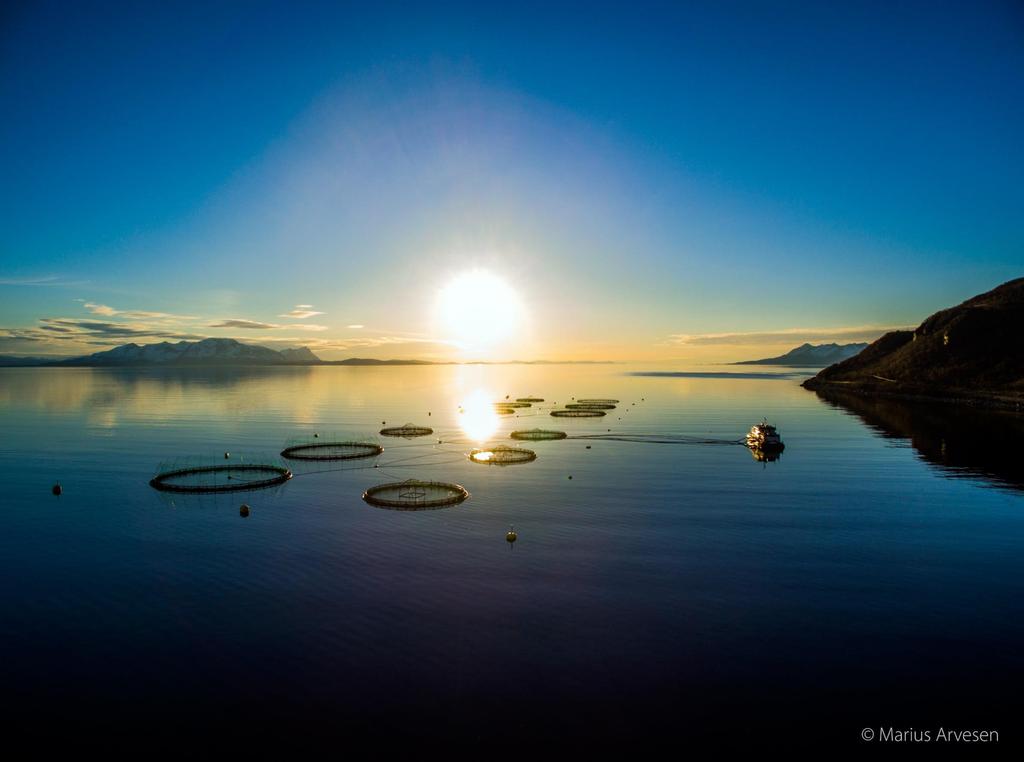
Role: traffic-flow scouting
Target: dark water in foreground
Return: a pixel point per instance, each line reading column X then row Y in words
column 682, row 593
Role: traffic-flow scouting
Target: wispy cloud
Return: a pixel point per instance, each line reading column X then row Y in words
column 796, row 335
column 110, row 326
column 60, row 331
column 107, row 329
column 43, row 280
column 63, row 336
column 108, row 311
column 242, row 323
column 301, row 312
column 345, row 344
column 100, row 309
column 356, row 325
column 258, row 325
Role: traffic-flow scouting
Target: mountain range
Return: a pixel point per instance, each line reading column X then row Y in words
column 811, row 355
column 973, row 353
column 204, row 352
column 207, row 352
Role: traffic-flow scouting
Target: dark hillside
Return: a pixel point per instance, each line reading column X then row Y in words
column 973, row 352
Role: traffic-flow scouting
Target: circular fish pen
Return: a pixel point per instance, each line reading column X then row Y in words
column 332, row 451
column 538, row 435
column 529, row 399
column 590, row 406
column 598, row 401
column 415, row 495
column 408, row 430
column 222, row 478
column 584, row 413
column 501, row 455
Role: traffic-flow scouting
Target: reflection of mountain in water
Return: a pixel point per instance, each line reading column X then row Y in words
column 961, row 441
column 177, row 390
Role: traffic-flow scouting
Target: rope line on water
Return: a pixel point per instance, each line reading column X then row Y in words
column 439, row 450
column 659, row 439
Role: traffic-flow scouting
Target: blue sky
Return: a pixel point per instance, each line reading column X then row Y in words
column 653, row 181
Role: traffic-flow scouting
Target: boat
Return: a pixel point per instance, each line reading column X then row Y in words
column 764, row 437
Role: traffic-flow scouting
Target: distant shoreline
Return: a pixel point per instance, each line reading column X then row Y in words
column 762, row 363
column 766, row 376
column 359, row 363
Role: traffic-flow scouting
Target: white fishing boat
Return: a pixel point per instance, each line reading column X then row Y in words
column 763, row 436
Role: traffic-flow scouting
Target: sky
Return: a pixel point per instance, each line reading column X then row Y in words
column 629, row 182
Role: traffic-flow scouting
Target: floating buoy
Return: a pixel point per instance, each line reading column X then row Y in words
column 570, row 476
column 588, row 447
column 315, row 435
column 429, row 413
column 227, row 455
column 511, row 536
column 57, row 489
column 244, row 511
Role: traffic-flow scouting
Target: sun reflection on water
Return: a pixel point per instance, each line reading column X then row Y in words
column 477, row 417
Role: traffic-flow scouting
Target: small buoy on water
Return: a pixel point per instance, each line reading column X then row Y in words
column 244, row 511
column 57, row 489
column 511, row 536
column 588, row 447
column 570, row 476
column 227, row 455
column 429, row 413
column 315, row 435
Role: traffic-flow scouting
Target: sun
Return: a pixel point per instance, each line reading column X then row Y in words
column 477, row 311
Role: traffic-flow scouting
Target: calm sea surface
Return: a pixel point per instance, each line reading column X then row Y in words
column 873, row 575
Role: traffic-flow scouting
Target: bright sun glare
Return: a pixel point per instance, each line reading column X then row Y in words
column 478, row 310
column 477, row 416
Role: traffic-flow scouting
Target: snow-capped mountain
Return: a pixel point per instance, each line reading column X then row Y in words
column 299, row 355
column 205, row 352
column 811, row 355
